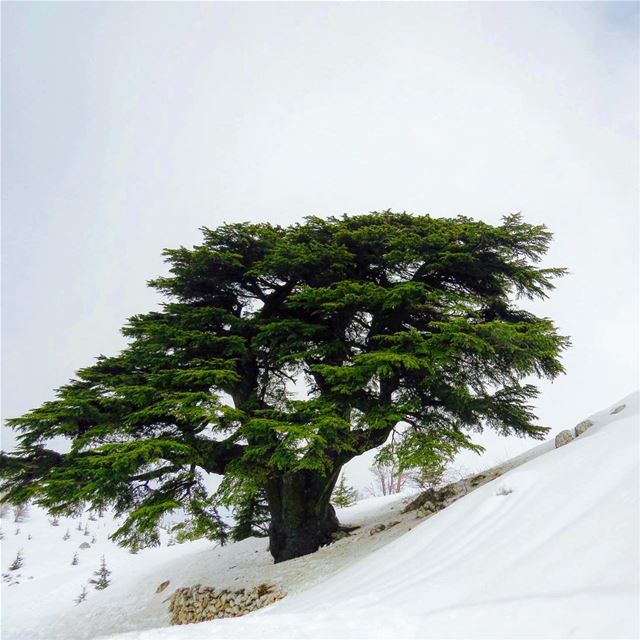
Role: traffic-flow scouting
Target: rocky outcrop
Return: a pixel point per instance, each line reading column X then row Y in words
column 339, row 535
column 564, row 437
column 433, row 500
column 583, row 426
column 199, row 603
column 436, row 498
column 427, row 509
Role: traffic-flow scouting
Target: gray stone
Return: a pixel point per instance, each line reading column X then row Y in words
column 199, row 603
column 162, row 586
column 618, row 409
column 564, row 437
column 583, row 426
column 427, row 509
column 338, row 535
column 417, row 502
column 377, row 529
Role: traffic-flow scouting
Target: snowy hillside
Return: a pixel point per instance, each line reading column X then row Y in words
column 547, row 550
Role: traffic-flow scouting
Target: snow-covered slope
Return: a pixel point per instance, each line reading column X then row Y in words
column 548, row 550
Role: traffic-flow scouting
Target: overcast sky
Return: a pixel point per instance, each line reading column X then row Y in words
column 128, row 126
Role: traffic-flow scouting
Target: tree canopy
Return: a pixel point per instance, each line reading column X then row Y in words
column 382, row 319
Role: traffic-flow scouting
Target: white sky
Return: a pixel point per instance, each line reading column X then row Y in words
column 126, row 126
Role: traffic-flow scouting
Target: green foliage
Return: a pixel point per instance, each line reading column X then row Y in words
column 202, row 521
column 343, row 494
column 101, row 579
column 428, row 476
column 248, row 501
column 389, row 319
column 416, row 459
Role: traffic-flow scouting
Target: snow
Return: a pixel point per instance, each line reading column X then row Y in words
column 547, row 550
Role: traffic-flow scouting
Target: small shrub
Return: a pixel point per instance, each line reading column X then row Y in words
column 343, row 494
column 82, row 596
column 429, row 475
column 17, row 563
column 101, row 580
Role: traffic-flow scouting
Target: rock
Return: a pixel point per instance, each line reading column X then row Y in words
column 200, row 603
column 377, row 529
column 339, row 535
column 564, row 437
column 427, row 509
column 618, row 409
column 441, row 497
column 393, row 523
column 85, row 545
column 477, row 480
column 417, row 502
column 581, row 427
column 162, row 586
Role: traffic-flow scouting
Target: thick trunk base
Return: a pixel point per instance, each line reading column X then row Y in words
column 302, row 518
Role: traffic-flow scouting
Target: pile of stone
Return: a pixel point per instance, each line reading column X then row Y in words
column 433, row 500
column 199, row 603
column 566, row 436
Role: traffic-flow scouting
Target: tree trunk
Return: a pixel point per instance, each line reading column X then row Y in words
column 302, row 517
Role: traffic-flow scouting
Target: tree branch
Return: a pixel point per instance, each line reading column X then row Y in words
column 217, row 454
